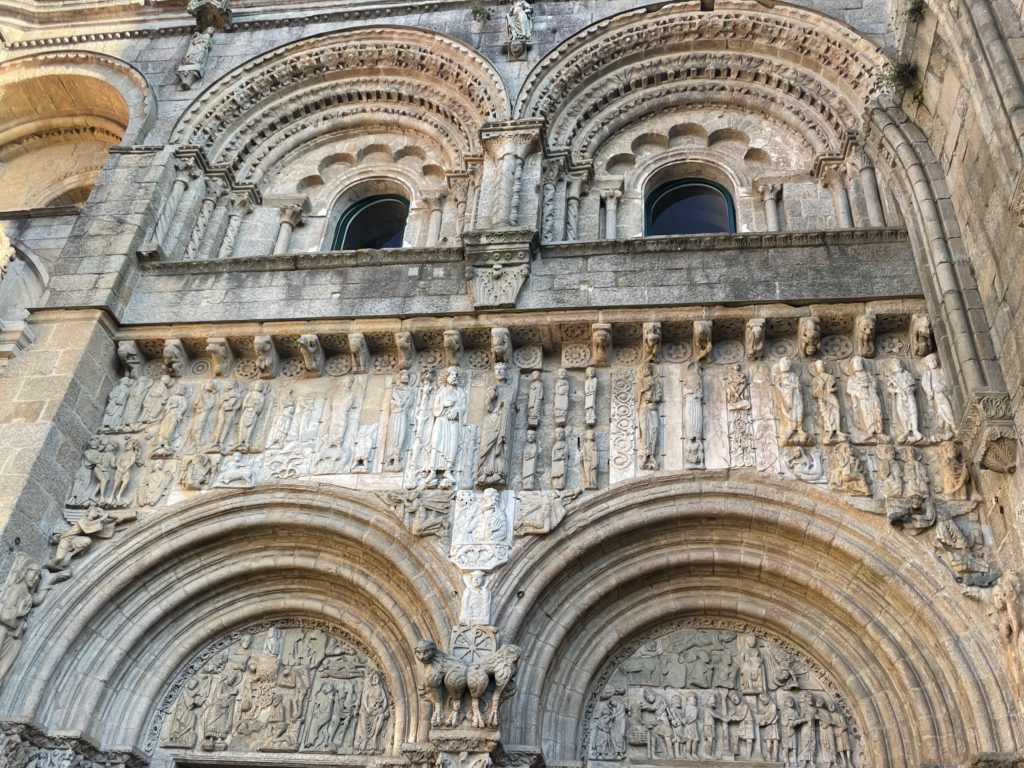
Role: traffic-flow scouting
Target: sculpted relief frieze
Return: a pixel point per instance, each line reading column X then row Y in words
column 718, row 691
column 277, row 687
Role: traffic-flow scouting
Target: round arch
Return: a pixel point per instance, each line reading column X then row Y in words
column 107, row 72
column 266, row 105
column 866, row 603
column 113, row 639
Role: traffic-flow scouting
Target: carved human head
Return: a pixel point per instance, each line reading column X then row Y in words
column 490, row 497
column 591, row 373
column 818, row 367
column 452, row 376
column 857, row 363
column 562, row 373
column 932, row 361
column 535, row 376
column 559, row 433
column 31, row 575
column 403, row 377
column 785, row 364
column 476, row 579
column 531, row 436
column 500, row 371
column 648, row 695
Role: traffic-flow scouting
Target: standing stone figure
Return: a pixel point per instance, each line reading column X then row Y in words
column 492, row 466
column 588, row 460
column 124, row 469
column 561, row 398
column 558, row 460
column 373, row 716
column 823, row 390
column 21, row 594
column 403, row 398
column 789, row 404
column 174, row 411
column 226, row 408
column 447, row 408
column 203, row 406
column 846, row 472
column 768, row 724
column 936, row 392
column 901, row 386
column 1009, row 617
column 530, row 461
column 865, row 408
column 113, row 416
column 519, row 27
column 693, row 417
column 193, row 64
column 590, row 397
column 648, row 402
column 534, row 400
column 252, row 408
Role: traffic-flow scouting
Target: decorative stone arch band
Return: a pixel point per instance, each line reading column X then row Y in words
column 112, row 73
column 100, row 655
column 917, row 663
column 262, row 103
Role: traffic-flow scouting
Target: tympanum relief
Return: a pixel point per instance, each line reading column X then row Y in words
column 718, row 693
column 277, row 688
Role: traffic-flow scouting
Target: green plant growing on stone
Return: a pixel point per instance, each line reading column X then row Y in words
column 915, row 11
column 479, row 12
column 900, row 76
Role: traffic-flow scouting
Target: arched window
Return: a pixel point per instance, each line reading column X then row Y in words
column 689, row 207
column 373, row 222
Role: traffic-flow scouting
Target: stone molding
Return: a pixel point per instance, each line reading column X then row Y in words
column 23, row 744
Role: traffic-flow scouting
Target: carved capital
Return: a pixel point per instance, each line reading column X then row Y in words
column 497, row 285
column 987, row 431
column 293, row 214
column 210, row 13
column 511, row 138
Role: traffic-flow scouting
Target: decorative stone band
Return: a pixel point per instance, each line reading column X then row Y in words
column 988, row 432
column 23, row 745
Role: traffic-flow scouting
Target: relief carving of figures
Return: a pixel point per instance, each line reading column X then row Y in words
column 403, row 400
column 235, row 471
column 789, row 404
column 193, row 63
column 204, row 406
column 846, row 472
column 649, row 396
column 963, row 553
column 888, row 472
column 252, row 406
column 96, row 523
column 652, row 342
column 953, row 471
column 113, row 416
column 768, row 726
column 285, row 689
column 424, row 513
column 901, row 387
column 864, row 336
column 93, row 477
column 590, row 397
column 753, row 338
column 1009, row 620
column 267, row 360
column 530, row 461
column 921, row 335
column 693, row 417
column 608, row 734
column 540, row 513
column 534, row 400
column 519, row 27
column 824, row 391
column 588, row 460
column 702, row 340
column 221, row 355
column 175, row 357
column 492, row 466
column 481, row 530
column 448, row 681
column 936, row 392
column 559, row 458
column 737, row 402
column 809, row 335
column 601, row 343
column 654, row 720
column 154, row 485
column 476, row 600
column 227, row 406
column 561, row 397
column 174, row 411
column 128, row 460
column 23, row 591
column 448, row 409
column 865, row 407
column 155, row 399
column 133, row 406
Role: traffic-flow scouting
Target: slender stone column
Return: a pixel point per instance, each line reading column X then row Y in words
column 611, row 213
column 872, row 197
column 186, row 169
column 292, row 216
column 213, row 191
column 501, row 215
column 238, row 211
column 572, row 209
column 770, row 197
column 436, row 217
column 517, row 188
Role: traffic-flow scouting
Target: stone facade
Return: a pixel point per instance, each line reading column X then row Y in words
column 534, row 488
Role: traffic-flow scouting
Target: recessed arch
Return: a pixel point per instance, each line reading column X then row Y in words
column 867, row 603
column 296, row 551
column 265, row 105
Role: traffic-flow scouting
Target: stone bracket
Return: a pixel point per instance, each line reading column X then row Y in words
column 988, row 433
column 499, row 263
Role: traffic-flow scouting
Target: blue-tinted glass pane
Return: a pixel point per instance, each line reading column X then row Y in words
column 374, row 224
column 689, row 209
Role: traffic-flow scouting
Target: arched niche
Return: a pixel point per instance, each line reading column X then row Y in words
column 60, row 114
column 297, row 555
column 875, row 615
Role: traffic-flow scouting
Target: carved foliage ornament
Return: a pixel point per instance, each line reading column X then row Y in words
column 277, row 687
column 988, row 433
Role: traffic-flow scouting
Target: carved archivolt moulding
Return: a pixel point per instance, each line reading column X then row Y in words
column 432, row 78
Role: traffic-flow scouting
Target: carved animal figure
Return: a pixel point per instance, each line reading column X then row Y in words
column 447, row 680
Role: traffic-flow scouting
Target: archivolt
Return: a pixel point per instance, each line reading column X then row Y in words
column 814, row 62
column 868, row 604
column 129, row 124
column 371, row 71
column 101, row 651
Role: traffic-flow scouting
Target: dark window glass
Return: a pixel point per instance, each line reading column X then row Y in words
column 376, row 222
column 689, row 207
